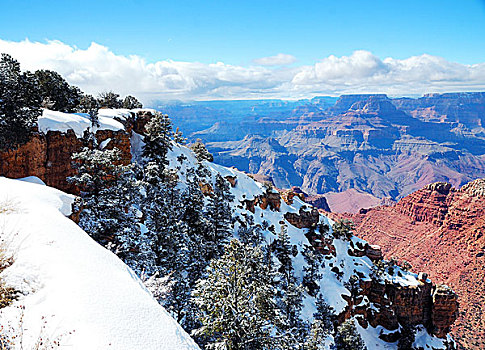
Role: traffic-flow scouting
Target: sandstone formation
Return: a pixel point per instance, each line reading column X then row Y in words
column 439, row 230
column 270, row 198
column 385, row 147
column 304, row 219
column 48, row 156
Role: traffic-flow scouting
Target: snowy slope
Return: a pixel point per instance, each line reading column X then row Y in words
column 331, row 287
column 71, row 283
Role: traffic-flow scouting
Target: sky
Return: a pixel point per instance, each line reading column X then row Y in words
column 251, row 49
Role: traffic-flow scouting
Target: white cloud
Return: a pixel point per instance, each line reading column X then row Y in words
column 280, row 59
column 97, row 69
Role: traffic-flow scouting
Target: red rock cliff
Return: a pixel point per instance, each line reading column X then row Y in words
column 439, row 230
column 48, row 156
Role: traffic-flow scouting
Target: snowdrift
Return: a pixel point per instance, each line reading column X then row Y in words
column 73, row 289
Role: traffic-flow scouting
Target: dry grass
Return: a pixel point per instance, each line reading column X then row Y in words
column 8, row 206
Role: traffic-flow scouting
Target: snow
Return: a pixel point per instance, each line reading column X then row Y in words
column 72, row 283
column 79, row 122
column 425, row 341
column 32, row 179
column 332, row 287
column 371, row 338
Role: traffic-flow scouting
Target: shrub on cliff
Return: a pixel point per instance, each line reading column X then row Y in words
column 20, row 103
column 131, row 102
column 56, row 92
column 347, row 337
column 201, row 152
column 343, row 229
column 109, row 100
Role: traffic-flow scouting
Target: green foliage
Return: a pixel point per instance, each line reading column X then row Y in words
column 20, row 103
column 235, row 300
column 219, row 214
column 347, row 337
column 87, row 103
column 343, row 229
column 56, row 92
column 201, row 152
column 316, row 337
column 157, row 139
column 131, row 102
column 178, row 137
column 109, row 100
column 325, row 314
column 311, row 270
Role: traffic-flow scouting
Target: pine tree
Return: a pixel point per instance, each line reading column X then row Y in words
column 179, row 138
column 290, row 293
column 236, row 301
column 325, row 314
column 20, row 103
column 110, row 199
column 57, row 92
column 201, row 152
column 109, row 100
column 250, row 233
column 219, row 215
column 131, row 102
column 347, row 337
column 311, row 270
column 343, row 229
column 87, row 103
column 316, row 337
column 157, row 139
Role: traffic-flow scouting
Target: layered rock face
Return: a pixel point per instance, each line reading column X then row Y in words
column 439, row 230
column 48, row 156
column 433, row 306
column 385, row 147
column 467, row 108
column 376, row 303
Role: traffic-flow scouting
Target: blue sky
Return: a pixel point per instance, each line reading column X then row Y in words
column 238, row 32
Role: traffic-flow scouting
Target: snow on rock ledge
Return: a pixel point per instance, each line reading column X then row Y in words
column 52, row 120
column 73, row 282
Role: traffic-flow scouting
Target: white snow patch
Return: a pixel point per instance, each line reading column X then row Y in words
column 73, row 282
column 79, row 122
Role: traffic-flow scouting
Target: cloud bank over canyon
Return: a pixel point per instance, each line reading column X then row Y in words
column 98, row 69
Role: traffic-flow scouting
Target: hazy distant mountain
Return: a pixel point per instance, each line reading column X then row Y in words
column 386, row 147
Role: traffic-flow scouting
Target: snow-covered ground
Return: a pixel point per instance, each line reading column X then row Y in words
column 332, row 287
column 80, row 292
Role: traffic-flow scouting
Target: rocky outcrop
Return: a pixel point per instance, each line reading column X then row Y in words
column 206, row 188
column 288, row 195
column 394, row 305
column 304, row 218
column 444, row 311
column 439, row 230
column 232, row 180
column 319, row 201
column 270, row 199
column 48, row 156
column 373, row 252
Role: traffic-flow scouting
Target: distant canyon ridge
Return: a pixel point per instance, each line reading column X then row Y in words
column 362, row 148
